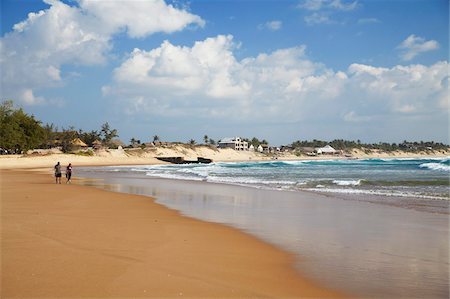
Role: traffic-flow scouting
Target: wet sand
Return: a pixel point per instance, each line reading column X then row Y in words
column 358, row 245
column 62, row 241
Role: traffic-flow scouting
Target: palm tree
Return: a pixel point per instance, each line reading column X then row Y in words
column 155, row 138
column 206, row 138
column 192, row 142
column 133, row 142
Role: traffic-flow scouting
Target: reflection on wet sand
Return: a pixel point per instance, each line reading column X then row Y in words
column 368, row 249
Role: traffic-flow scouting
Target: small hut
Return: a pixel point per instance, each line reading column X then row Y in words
column 78, row 144
column 326, row 150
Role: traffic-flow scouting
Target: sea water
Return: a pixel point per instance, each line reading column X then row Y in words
column 419, row 178
column 371, row 250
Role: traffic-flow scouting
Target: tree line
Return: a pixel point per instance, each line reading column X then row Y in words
column 20, row 132
column 341, row 144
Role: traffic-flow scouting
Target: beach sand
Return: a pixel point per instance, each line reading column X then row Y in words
column 61, row 241
column 139, row 157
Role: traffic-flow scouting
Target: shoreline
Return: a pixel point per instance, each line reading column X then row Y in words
column 422, row 204
column 294, row 262
column 315, row 229
column 141, row 243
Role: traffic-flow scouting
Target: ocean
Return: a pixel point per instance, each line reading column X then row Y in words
column 373, row 228
column 417, row 178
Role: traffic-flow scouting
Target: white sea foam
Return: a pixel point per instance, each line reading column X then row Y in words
column 174, row 176
column 320, row 175
column 347, row 182
column 376, row 192
column 435, row 166
column 248, row 181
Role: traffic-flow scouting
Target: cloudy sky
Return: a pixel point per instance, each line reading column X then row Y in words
column 374, row 70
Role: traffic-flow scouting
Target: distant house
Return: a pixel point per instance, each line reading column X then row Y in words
column 251, row 148
column 77, row 143
column 327, row 149
column 235, row 143
column 263, row 148
column 259, row 148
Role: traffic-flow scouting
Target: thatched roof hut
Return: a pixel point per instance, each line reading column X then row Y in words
column 77, row 142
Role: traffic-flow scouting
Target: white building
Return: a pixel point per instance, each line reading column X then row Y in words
column 235, row 143
column 260, row 148
column 325, row 150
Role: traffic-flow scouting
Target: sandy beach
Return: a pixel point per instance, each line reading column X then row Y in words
column 43, row 159
column 79, row 241
column 75, row 241
column 224, row 149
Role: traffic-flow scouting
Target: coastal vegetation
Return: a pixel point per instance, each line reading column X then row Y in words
column 341, row 144
column 20, row 132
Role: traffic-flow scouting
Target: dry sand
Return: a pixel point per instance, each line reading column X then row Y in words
column 62, row 241
column 138, row 156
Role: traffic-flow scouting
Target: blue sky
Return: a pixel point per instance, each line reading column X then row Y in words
column 280, row 70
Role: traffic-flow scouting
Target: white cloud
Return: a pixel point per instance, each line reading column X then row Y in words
column 206, row 80
column 34, row 52
column 139, row 18
column 19, row 27
column 318, row 18
column 311, row 4
column 206, row 68
column 337, row 4
column 272, row 25
column 315, row 5
column 27, row 97
column 401, row 89
column 414, row 45
column 324, row 9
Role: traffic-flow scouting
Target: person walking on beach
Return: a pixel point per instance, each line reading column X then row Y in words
column 58, row 173
column 68, row 172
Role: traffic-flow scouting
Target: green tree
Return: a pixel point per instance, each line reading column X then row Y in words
column 205, row 139
column 18, row 130
column 133, row 142
column 156, row 138
column 90, row 137
column 108, row 134
column 192, row 142
column 67, row 136
column 50, row 135
column 255, row 141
